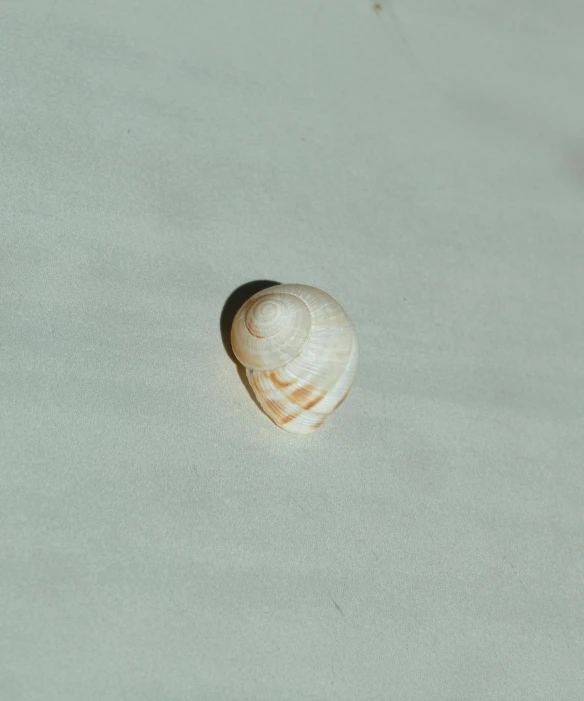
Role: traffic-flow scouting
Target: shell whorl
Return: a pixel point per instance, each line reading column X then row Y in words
column 270, row 330
column 300, row 351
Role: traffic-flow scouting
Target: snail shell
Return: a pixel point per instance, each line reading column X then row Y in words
column 300, row 352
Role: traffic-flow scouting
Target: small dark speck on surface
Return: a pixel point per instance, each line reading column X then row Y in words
column 377, row 7
column 339, row 609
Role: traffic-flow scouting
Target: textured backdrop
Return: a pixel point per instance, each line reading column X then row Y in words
column 423, row 162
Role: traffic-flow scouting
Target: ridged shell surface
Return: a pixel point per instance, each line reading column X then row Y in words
column 300, row 352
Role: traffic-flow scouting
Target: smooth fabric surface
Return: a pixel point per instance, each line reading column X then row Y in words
column 423, row 163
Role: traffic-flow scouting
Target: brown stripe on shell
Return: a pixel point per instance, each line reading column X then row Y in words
column 288, row 418
column 272, row 405
column 273, row 376
column 276, row 410
column 305, row 397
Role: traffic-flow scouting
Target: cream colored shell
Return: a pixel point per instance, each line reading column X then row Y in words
column 300, row 352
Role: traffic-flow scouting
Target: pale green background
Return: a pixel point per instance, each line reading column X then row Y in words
column 160, row 539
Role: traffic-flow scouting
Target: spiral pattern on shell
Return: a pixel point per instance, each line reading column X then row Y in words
column 300, row 352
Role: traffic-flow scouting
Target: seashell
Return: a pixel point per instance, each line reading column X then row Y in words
column 300, row 352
